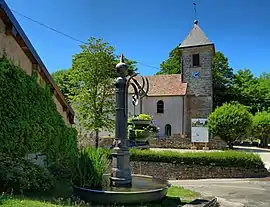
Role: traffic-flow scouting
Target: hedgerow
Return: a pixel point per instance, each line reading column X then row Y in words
column 222, row 159
column 29, row 120
column 19, row 175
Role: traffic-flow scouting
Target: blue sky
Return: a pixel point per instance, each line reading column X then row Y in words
column 146, row 30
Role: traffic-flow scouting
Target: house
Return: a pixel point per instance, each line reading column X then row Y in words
column 19, row 49
column 173, row 100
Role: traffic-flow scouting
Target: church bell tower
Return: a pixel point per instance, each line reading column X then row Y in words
column 197, row 54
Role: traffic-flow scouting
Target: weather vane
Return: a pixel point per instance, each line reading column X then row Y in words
column 195, row 10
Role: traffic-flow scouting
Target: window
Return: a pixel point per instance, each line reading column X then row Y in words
column 168, row 130
column 196, row 60
column 160, row 107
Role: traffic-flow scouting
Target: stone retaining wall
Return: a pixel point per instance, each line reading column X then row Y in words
column 179, row 141
column 176, row 141
column 171, row 171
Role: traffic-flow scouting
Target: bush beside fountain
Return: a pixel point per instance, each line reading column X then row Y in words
column 141, row 128
column 91, row 184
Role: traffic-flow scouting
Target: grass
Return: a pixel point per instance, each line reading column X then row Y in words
column 61, row 196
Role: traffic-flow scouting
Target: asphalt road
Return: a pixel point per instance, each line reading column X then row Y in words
column 232, row 192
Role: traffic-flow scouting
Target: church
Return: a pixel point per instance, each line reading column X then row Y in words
column 173, row 100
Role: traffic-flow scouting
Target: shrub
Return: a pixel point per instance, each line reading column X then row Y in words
column 21, row 175
column 144, row 117
column 89, row 167
column 261, row 127
column 230, row 122
column 29, row 120
column 222, row 159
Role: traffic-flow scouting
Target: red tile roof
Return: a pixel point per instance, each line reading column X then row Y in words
column 165, row 85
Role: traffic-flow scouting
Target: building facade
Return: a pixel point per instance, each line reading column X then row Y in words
column 17, row 47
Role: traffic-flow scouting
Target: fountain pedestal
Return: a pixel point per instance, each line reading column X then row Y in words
column 120, row 173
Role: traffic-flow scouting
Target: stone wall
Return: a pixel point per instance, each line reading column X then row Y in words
column 199, row 90
column 178, row 141
column 171, row 171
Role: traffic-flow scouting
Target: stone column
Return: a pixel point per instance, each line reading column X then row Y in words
column 121, row 172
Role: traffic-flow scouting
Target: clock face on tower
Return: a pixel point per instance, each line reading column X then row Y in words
column 196, row 75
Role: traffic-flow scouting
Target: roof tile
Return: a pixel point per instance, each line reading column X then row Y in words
column 164, row 85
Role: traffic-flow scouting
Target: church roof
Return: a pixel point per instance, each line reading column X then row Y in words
column 196, row 37
column 165, row 85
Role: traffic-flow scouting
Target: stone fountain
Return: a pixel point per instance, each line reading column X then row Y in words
column 121, row 186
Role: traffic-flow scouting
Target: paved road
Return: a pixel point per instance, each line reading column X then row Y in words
column 232, row 192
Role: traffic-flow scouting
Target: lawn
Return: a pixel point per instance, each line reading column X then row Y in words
column 61, row 196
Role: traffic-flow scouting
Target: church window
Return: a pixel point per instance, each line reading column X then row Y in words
column 196, row 60
column 160, row 107
column 168, row 130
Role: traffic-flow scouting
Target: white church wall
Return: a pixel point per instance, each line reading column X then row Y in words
column 173, row 113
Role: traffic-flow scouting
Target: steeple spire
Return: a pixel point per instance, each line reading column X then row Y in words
column 196, row 37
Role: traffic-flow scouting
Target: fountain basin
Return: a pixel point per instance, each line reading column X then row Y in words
column 144, row 189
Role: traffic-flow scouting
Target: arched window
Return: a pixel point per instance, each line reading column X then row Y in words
column 160, row 107
column 168, row 130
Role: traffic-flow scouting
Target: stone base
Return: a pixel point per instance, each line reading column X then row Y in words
column 193, row 148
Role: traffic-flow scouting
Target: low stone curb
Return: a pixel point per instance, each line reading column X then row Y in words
column 204, row 202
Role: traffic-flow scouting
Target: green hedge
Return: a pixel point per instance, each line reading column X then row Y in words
column 21, row 175
column 29, row 120
column 223, row 159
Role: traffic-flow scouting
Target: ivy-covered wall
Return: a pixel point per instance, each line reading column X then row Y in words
column 29, row 120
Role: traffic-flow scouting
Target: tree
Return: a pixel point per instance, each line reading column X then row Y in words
column 173, row 64
column 261, row 127
column 252, row 91
column 63, row 80
column 230, row 122
column 264, row 88
column 222, row 80
column 94, row 68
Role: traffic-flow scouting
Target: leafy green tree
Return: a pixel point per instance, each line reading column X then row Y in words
column 93, row 68
column 261, row 127
column 173, row 64
column 230, row 122
column 264, row 88
column 63, row 80
column 222, row 80
column 252, row 91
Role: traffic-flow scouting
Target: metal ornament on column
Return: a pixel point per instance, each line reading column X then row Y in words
column 121, row 172
column 140, row 91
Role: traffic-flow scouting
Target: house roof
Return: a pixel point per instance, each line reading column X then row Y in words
column 196, row 37
column 21, row 38
column 165, row 85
